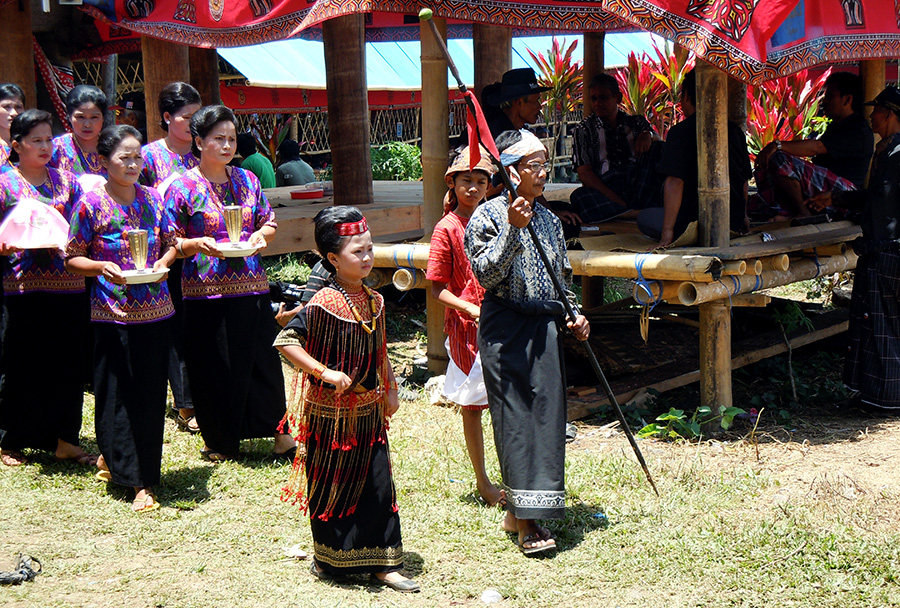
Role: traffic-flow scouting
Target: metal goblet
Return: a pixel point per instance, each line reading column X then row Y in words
column 234, row 222
column 137, row 243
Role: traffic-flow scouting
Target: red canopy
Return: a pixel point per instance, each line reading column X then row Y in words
column 752, row 40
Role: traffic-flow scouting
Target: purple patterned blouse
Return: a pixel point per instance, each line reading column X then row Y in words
column 194, row 208
column 5, row 151
column 98, row 231
column 34, row 270
column 69, row 156
column 160, row 163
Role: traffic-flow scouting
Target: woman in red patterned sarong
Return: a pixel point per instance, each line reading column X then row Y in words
column 343, row 394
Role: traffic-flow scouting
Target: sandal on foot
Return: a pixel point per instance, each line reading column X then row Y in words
column 145, row 504
column 188, row 424
column 535, row 537
column 407, row 585
column 103, row 475
column 211, row 456
column 84, row 459
column 322, row 575
column 13, row 458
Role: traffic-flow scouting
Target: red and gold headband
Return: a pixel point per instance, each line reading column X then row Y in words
column 351, row 228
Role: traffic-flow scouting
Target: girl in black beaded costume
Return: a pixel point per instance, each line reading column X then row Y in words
column 343, row 394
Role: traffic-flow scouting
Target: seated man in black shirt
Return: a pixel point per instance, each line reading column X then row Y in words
column 840, row 157
column 681, row 204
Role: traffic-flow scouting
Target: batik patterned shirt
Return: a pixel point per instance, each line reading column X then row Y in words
column 5, row 164
column 34, row 270
column 195, row 208
column 504, row 258
column 68, row 156
column 605, row 146
column 99, row 231
column 160, row 163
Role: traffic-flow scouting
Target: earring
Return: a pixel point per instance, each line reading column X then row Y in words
column 167, row 122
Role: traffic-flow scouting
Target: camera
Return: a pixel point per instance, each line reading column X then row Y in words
column 289, row 293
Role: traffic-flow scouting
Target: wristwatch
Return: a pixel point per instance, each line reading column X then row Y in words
column 778, row 145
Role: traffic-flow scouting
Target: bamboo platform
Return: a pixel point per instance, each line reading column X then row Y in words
column 395, row 216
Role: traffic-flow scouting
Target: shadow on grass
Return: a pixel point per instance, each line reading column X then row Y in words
column 183, row 488
column 413, row 564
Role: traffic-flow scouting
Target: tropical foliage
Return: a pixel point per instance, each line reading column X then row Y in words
column 785, row 108
column 396, row 161
column 650, row 85
column 563, row 76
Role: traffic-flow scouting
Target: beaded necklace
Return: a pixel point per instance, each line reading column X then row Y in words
column 91, row 159
column 356, row 314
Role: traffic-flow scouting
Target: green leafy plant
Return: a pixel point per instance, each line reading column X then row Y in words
column 396, row 161
column 564, row 78
column 675, row 424
column 785, row 108
column 650, row 85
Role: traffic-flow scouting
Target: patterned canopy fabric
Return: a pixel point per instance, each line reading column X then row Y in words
column 752, row 40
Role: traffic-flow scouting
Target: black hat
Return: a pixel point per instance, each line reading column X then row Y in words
column 888, row 98
column 516, row 83
column 133, row 101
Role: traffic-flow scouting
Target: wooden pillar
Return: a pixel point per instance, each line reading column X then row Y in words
column 435, row 148
column 591, row 287
column 872, row 73
column 594, row 63
column 204, row 67
column 492, row 47
column 713, row 191
column 16, row 48
column 348, row 109
column 110, row 86
column 163, row 62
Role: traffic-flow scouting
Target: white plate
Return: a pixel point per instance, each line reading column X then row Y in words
column 237, row 250
column 137, row 277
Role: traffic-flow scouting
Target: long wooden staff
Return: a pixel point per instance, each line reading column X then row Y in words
column 425, row 15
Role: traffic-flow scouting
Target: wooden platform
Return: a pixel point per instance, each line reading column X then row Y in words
column 395, row 216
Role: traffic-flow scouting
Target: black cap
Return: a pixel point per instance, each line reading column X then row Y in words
column 520, row 82
column 888, row 98
column 133, row 101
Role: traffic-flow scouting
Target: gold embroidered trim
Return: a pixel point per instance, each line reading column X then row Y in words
column 326, row 403
column 355, row 558
column 154, row 311
column 230, row 287
column 289, row 337
column 44, row 282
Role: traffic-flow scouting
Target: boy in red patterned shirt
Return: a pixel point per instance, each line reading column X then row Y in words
column 454, row 285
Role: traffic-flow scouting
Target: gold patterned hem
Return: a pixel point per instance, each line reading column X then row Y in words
column 359, row 558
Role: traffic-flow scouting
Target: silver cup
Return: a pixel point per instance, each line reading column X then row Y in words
column 137, row 243
column 233, row 222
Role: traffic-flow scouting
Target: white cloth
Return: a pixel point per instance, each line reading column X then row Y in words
column 464, row 389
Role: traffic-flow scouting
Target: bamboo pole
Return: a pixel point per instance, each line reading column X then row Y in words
column 163, row 62
column 110, row 86
column 594, row 64
column 714, row 224
column 435, row 148
column 406, row 255
column 737, row 267
column 668, row 289
column 377, row 278
column 693, row 293
column 492, row 54
column 776, row 262
column 17, row 50
column 653, row 266
column 827, row 250
column 792, row 231
column 405, row 279
column 755, row 267
column 348, row 109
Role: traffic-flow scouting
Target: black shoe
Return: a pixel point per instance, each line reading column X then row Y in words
column 322, row 575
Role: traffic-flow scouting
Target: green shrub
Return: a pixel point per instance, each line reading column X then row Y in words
column 396, row 161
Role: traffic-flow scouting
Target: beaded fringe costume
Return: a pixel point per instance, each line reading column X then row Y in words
column 337, row 432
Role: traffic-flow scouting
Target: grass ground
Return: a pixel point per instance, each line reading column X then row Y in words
column 799, row 515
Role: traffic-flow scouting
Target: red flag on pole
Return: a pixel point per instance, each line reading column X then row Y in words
column 478, row 132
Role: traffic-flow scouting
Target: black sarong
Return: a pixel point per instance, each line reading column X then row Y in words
column 872, row 366
column 178, row 379
column 42, row 387
column 235, row 374
column 130, row 364
column 521, row 353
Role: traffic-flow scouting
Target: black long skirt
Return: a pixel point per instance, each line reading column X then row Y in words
column 235, row 374
column 367, row 540
column 42, row 385
column 521, row 354
column 130, row 364
column 178, row 378
column 872, row 365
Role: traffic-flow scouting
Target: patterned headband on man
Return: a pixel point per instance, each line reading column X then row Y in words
column 352, row 228
column 529, row 144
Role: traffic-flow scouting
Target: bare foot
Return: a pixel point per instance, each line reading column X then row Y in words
column 510, row 523
column 283, row 443
column 69, row 451
column 144, row 501
column 491, row 494
column 12, row 458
